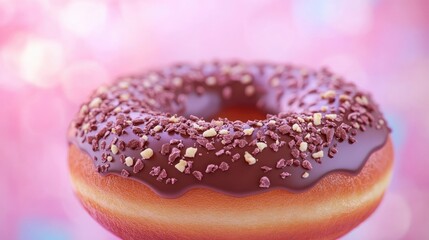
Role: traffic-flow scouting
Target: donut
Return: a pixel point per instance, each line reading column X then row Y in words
column 230, row 150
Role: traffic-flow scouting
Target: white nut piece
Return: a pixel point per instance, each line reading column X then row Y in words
column 196, row 126
column 218, row 123
column 124, row 84
column 209, row 133
column 181, row 165
column 124, row 96
column 102, row 89
column 114, row 149
column 248, row 131
column 223, row 132
column 362, row 100
column 109, row 158
column 305, row 175
column 157, row 128
column 147, row 153
column 344, row 97
column 173, row 119
column 129, row 161
column 296, row 128
column 85, row 127
column 331, row 116
column 318, row 154
column 328, row 94
column 190, row 152
column 303, row 146
column 261, row 145
column 249, row 158
column 317, row 119
column 84, row 109
column 95, row 103
column 117, row 109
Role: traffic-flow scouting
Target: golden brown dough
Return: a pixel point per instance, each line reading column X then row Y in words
column 334, row 206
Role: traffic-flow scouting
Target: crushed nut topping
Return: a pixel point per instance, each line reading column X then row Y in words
column 249, row 158
column 248, row 131
column 129, row 161
column 209, row 133
column 147, row 153
column 261, row 145
column 331, row 116
column 181, row 165
column 317, row 119
column 95, row 103
column 114, row 149
column 318, row 154
column 223, row 132
column 142, row 117
column 296, row 128
column 190, row 152
column 303, row 146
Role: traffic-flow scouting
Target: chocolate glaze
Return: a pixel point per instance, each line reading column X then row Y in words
column 288, row 94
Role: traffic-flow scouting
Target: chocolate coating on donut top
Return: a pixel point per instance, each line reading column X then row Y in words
column 157, row 128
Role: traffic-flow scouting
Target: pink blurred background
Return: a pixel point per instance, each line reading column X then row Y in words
column 53, row 53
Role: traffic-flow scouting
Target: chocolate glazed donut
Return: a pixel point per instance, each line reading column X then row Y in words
column 175, row 133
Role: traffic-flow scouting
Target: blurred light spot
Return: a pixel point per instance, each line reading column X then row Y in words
column 81, row 78
column 391, row 220
column 350, row 17
column 7, row 10
column 348, row 67
column 5, row 207
column 416, row 80
column 40, row 228
column 420, row 198
column 43, row 116
column 83, row 17
column 308, row 15
column 269, row 31
column 398, row 123
column 412, row 80
column 81, row 224
column 39, row 61
column 9, row 62
column 8, row 79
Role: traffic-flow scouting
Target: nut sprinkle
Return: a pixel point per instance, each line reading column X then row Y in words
column 158, row 127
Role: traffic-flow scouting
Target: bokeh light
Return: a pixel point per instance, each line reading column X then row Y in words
column 90, row 73
column 83, row 17
column 39, row 61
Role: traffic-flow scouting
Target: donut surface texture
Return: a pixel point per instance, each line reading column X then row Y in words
column 162, row 155
column 151, row 128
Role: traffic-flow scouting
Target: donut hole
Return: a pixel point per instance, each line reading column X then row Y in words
column 242, row 113
column 211, row 105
